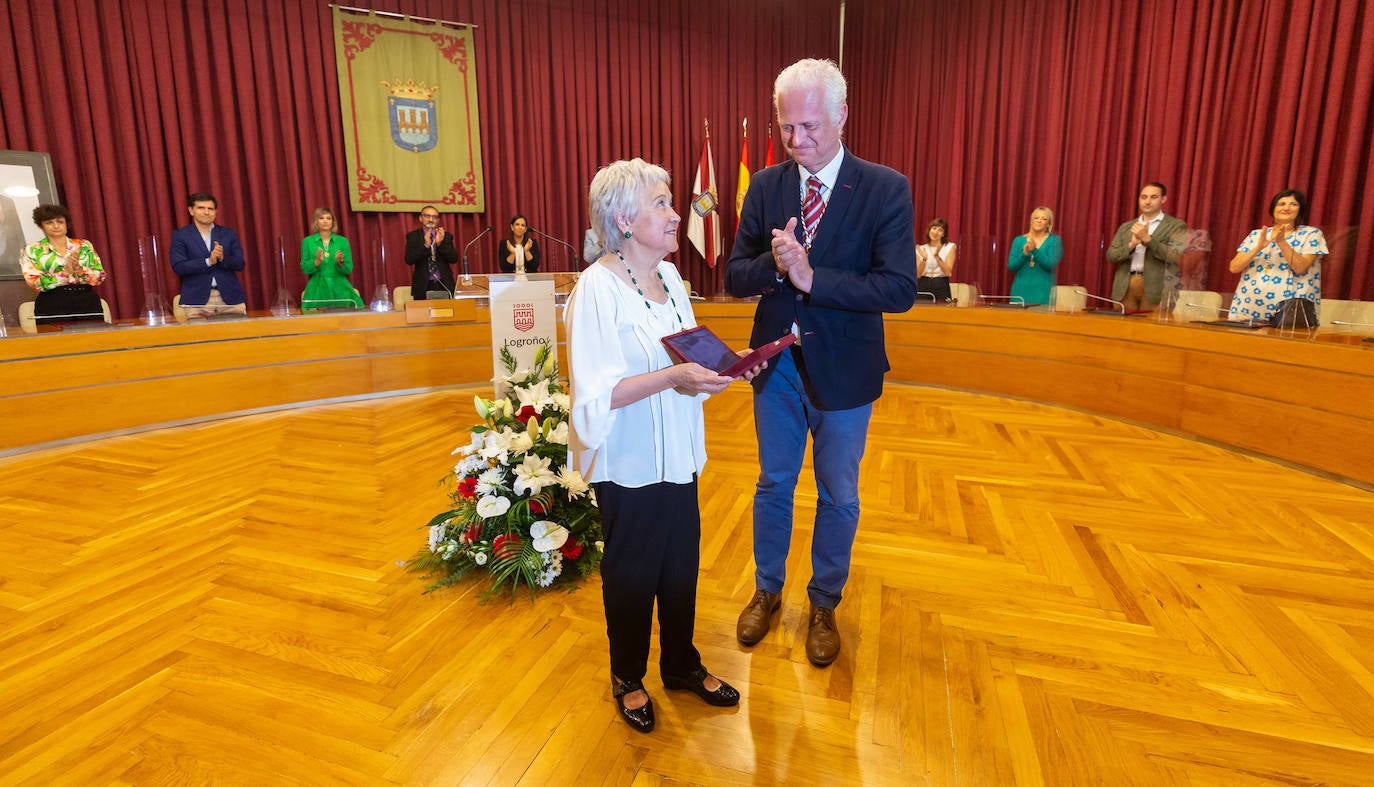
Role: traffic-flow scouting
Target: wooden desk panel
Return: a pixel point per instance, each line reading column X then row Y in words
column 62, row 386
column 1304, row 399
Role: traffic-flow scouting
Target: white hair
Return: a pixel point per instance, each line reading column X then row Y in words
column 812, row 74
column 615, row 193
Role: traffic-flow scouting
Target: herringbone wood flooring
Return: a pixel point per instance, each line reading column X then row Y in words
column 1038, row 597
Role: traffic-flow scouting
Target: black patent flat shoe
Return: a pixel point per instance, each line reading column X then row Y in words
column 640, row 719
column 695, row 682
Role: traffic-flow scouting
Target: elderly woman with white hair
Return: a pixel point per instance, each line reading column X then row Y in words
column 638, row 435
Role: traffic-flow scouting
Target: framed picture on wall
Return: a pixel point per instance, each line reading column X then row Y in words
column 26, row 182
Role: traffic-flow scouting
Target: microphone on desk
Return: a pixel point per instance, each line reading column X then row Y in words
column 561, row 242
column 1086, row 294
column 467, row 278
column 1012, row 300
column 1205, row 307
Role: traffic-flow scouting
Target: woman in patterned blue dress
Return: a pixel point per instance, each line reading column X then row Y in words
column 1279, row 263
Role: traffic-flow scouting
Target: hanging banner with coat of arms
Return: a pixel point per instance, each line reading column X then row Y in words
column 408, row 91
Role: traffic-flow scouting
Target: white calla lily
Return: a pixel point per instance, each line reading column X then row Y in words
column 492, row 505
column 548, row 535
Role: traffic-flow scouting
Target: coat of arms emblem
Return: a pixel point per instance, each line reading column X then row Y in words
column 414, row 122
column 524, row 316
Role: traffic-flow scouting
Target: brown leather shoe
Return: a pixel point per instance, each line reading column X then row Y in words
column 753, row 621
column 822, row 638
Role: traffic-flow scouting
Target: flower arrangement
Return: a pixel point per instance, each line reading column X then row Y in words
column 516, row 509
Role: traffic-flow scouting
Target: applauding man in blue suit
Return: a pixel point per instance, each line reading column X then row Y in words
column 826, row 238
column 207, row 257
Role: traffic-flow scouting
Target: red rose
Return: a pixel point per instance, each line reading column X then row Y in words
column 468, row 487
column 526, row 413
column 571, row 549
column 506, row 546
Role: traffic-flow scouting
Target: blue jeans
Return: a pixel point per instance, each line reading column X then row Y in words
column 783, row 416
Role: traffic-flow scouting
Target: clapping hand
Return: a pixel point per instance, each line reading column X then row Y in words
column 1140, row 233
column 790, row 257
column 338, row 257
column 319, row 257
column 216, row 254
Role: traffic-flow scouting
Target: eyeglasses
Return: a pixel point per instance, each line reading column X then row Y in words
column 429, row 215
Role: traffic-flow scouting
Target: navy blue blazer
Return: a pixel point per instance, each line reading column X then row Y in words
column 864, row 256
column 188, row 256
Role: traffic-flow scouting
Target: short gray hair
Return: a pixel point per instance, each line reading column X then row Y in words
column 812, row 74
column 617, row 190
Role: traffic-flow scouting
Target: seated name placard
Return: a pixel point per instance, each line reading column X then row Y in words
column 700, row 345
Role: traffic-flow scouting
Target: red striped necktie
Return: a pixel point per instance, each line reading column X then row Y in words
column 812, row 208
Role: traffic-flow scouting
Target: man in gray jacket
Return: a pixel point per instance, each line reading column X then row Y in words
column 1145, row 252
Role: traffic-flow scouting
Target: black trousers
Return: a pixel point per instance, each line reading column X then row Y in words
column 68, row 303
column 653, row 551
column 935, row 285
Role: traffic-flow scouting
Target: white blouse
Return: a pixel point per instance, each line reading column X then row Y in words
column 932, row 267
column 612, row 336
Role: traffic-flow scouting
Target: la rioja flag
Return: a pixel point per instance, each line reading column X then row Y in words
column 703, row 223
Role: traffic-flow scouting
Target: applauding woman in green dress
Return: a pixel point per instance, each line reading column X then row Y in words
column 327, row 259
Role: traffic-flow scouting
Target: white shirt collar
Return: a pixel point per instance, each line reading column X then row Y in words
column 828, row 175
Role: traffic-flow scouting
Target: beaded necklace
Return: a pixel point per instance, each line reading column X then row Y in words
column 640, row 290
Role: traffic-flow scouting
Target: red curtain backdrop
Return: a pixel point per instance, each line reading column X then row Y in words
column 141, row 102
column 993, row 107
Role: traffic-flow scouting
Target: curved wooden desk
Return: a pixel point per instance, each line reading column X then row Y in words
column 1308, row 400
column 69, row 384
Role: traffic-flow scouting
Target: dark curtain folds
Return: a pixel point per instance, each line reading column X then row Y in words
column 141, row 102
column 995, row 107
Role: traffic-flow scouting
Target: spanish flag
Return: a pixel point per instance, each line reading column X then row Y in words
column 742, row 187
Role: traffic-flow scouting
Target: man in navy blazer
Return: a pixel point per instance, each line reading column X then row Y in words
column 827, row 280
column 206, row 256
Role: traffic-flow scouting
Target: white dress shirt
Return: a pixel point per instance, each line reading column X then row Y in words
column 1138, row 253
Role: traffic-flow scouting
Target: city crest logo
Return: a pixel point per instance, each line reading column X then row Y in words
column 524, row 316
column 410, row 108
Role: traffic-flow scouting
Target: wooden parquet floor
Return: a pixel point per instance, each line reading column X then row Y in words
column 1038, row 597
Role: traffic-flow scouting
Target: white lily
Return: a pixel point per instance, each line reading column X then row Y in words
column 536, row 396
column 532, row 475
column 559, row 434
